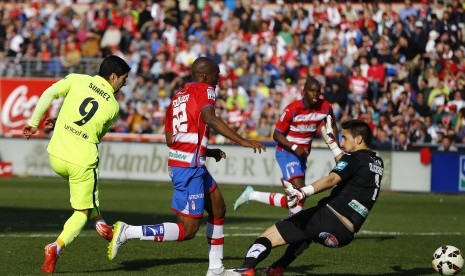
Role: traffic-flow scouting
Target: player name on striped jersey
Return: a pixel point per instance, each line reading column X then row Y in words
column 180, row 100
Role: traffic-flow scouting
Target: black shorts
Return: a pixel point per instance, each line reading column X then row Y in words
column 318, row 224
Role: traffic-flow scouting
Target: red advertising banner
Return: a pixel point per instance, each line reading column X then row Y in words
column 18, row 98
column 6, row 169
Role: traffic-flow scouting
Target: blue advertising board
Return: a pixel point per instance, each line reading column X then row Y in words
column 448, row 172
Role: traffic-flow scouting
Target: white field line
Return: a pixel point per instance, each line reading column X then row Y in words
column 249, row 234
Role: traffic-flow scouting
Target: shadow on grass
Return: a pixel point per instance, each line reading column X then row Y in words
column 376, row 238
column 146, row 264
column 25, row 219
column 307, row 270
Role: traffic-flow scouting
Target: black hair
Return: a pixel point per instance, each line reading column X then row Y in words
column 358, row 127
column 310, row 81
column 113, row 64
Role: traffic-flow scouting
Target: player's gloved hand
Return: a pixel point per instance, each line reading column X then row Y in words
column 327, row 131
column 294, row 195
column 328, row 136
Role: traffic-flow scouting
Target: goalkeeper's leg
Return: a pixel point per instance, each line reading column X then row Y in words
column 292, row 252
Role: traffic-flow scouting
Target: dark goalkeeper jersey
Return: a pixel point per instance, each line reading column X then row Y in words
column 355, row 195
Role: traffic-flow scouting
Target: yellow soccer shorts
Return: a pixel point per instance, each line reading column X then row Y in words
column 83, row 183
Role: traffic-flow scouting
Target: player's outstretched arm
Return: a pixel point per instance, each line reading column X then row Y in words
column 42, row 106
column 208, row 114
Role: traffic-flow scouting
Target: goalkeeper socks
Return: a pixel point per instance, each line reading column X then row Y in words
column 72, row 227
column 258, row 251
column 292, row 252
column 167, row 231
column 273, row 199
column 215, row 237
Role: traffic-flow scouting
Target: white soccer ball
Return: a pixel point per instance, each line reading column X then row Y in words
column 447, row 260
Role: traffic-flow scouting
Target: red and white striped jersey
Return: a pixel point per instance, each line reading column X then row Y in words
column 359, row 85
column 299, row 123
column 189, row 131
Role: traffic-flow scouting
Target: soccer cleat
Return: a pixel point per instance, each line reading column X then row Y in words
column 243, row 271
column 51, row 257
column 243, row 198
column 119, row 238
column 104, row 230
column 274, row 271
column 222, row 272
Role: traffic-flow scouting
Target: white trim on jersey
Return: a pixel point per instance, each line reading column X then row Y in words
column 303, row 128
column 310, row 117
column 300, row 141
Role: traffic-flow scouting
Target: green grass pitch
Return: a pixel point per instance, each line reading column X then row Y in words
column 398, row 238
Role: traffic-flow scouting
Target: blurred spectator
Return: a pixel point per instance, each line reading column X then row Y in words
column 439, row 95
column 264, row 128
column 381, row 140
column 111, row 37
column 401, row 142
column 163, row 98
column 420, row 106
column 457, row 100
column 144, row 126
column 460, row 127
column 358, row 86
column 73, row 56
column 447, row 144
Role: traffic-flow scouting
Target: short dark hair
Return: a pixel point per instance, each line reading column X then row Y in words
column 113, row 64
column 358, row 127
column 310, row 81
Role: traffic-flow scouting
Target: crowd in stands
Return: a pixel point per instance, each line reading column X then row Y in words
column 400, row 67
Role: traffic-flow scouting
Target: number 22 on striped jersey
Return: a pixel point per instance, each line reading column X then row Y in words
column 179, row 119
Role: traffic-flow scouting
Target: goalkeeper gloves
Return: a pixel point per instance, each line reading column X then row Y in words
column 296, row 195
column 328, row 136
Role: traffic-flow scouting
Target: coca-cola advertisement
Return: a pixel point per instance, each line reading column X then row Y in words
column 18, row 98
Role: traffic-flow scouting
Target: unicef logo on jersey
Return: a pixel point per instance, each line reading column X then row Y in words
column 85, row 136
column 462, row 173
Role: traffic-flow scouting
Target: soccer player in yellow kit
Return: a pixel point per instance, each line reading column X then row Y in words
column 89, row 110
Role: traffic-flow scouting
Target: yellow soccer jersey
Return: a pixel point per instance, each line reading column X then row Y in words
column 88, row 111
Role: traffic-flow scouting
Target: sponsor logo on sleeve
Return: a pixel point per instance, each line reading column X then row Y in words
column 341, row 165
column 211, row 94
